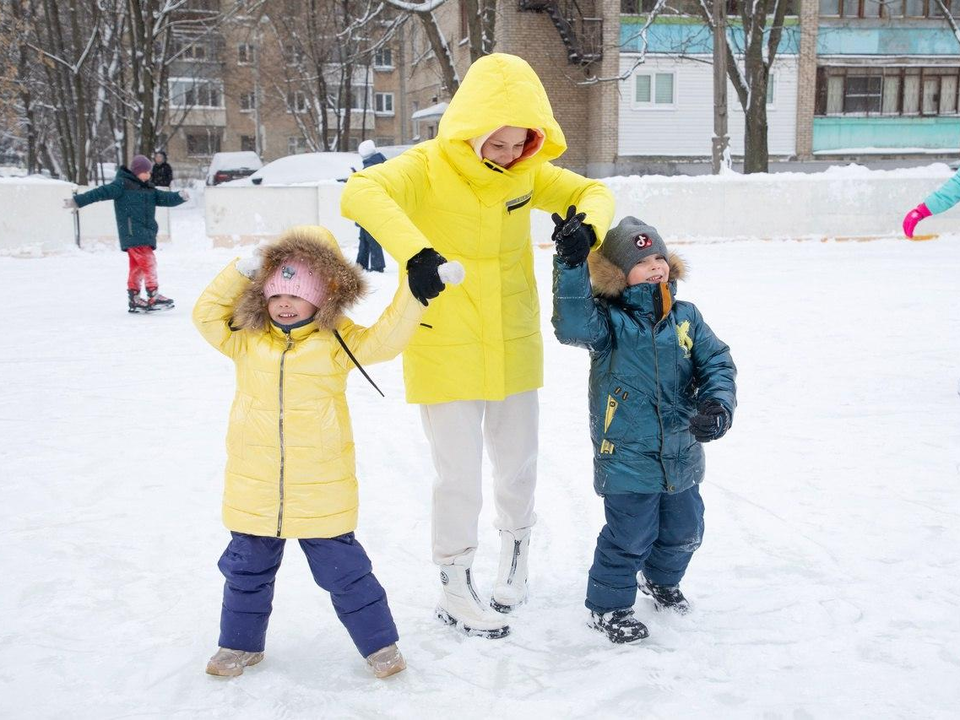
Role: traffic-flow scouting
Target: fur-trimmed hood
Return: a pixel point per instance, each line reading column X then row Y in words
column 609, row 281
column 318, row 249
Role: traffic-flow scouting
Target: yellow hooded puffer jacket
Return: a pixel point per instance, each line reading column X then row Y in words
column 479, row 340
column 291, row 470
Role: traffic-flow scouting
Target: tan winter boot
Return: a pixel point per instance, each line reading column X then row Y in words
column 510, row 591
column 387, row 661
column 230, row 663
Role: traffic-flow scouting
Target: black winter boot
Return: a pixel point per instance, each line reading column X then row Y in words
column 665, row 597
column 135, row 303
column 620, row 626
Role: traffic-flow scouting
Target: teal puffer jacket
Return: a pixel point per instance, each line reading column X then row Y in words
column 135, row 206
column 648, row 372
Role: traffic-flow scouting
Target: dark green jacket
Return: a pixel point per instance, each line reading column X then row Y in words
column 135, row 205
column 648, row 372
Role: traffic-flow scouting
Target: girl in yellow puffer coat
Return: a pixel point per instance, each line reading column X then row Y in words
column 290, row 468
column 476, row 363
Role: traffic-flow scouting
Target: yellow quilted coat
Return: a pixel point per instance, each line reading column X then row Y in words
column 480, row 340
column 291, row 470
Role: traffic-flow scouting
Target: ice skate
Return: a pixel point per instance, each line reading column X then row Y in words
column 230, row 663
column 156, row 301
column 386, row 661
column 665, row 597
column 460, row 605
column 510, row 591
column 620, row 626
column 135, row 303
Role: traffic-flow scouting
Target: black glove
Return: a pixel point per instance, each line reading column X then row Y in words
column 425, row 282
column 711, row 421
column 572, row 237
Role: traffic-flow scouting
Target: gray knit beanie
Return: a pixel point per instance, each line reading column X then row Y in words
column 630, row 242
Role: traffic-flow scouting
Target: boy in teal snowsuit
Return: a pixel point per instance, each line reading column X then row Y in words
column 661, row 384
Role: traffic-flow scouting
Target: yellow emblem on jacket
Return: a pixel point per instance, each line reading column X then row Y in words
column 684, row 339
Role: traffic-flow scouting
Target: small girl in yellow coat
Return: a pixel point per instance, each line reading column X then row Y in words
column 290, row 470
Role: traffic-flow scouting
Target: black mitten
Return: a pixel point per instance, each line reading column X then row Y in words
column 572, row 237
column 711, row 421
column 425, row 282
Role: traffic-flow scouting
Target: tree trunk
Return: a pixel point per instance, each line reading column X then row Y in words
column 756, row 154
column 448, row 73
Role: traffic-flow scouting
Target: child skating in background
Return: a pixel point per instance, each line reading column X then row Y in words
column 661, row 383
column 291, row 471
column 135, row 202
column 940, row 200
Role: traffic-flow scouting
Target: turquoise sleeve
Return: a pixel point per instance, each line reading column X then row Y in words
column 945, row 196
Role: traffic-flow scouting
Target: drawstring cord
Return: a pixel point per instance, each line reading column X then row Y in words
column 359, row 366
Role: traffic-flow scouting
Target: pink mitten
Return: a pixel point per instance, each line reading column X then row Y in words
column 913, row 217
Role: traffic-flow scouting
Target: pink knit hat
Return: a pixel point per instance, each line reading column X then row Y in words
column 293, row 277
column 140, row 164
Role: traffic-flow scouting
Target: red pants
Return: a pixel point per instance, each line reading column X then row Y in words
column 143, row 267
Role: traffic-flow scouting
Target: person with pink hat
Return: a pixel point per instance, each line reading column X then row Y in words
column 291, row 472
column 135, row 202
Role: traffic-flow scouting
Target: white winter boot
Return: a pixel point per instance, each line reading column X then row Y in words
column 511, row 589
column 460, row 605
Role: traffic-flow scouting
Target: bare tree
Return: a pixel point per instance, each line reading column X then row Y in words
column 750, row 76
column 327, row 48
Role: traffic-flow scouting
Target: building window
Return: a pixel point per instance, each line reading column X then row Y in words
column 203, row 143
column 248, row 143
column 246, row 54
column 193, row 49
column 384, row 103
column 296, row 101
column 248, row 101
column 654, row 90
column 193, row 93
column 292, row 54
column 691, row 8
column 360, row 97
column 384, row 141
column 906, row 91
column 296, row 145
column 887, row 8
column 464, row 21
column 383, row 59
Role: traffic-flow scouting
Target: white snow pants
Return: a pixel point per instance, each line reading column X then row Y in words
column 457, row 432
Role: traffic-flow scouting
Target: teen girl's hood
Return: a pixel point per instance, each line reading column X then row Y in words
column 498, row 90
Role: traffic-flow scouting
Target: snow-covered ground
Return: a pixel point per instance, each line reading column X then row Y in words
column 828, row 584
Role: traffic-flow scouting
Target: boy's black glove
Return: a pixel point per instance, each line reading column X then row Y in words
column 572, row 237
column 711, row 421
column 425, row 282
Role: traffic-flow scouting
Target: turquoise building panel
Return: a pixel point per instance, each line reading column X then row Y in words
column 690, row 36
column 932, row 133
column 846, row 40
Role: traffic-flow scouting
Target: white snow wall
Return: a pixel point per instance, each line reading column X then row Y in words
column 841, row 203
column 856, row 204
column 33, row 221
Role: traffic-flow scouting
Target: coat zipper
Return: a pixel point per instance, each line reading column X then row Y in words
column 656, row 367
column 283, row 357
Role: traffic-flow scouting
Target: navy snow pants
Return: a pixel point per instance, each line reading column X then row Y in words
column 655, row 533
column 369, row 253
column 339, row 565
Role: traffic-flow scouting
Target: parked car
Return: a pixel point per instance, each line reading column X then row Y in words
column 304, row 168
column 227, row 166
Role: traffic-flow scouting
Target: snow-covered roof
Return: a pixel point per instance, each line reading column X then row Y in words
column 434, row 111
